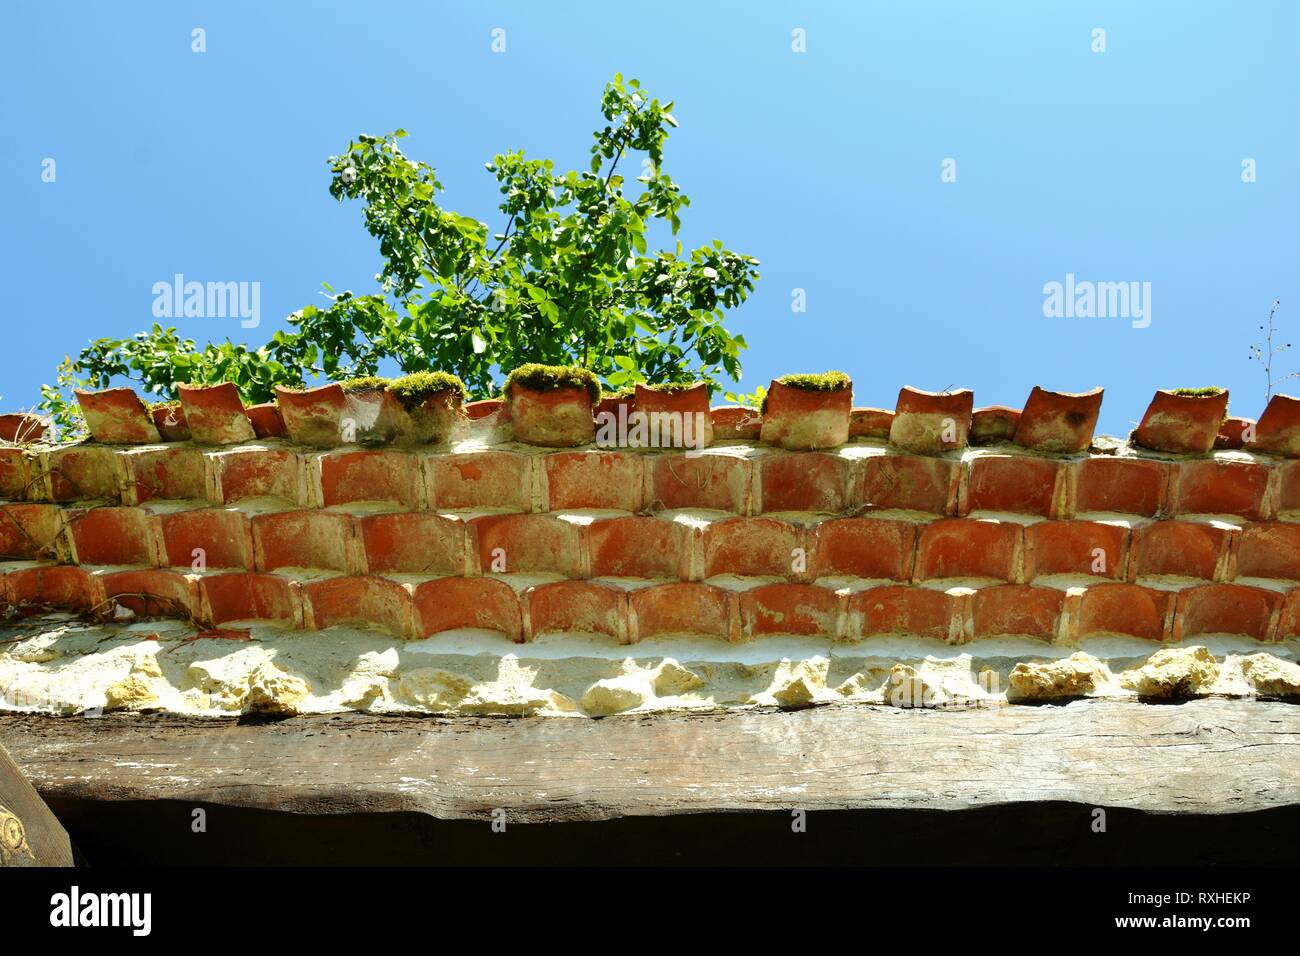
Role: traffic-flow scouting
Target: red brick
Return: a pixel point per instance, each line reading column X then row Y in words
column 805, row 481
column 593, row 479
column 23, row 427
column 1015, row 483
column 796, row 418
column 311, row 416
column 751, row 546
column 414, row 542
column 864, row 548
column 1226, row 609
column 577, row 607
column 1128, row 609
column 116, row 416
column 1270, row 550
column 663, row 409
column 1017, row 610
column 1182, row 423
column 1187, row 548
column 1233, row 432
column 790, row 609
column 266, row 421
column 305, row 539
column 736, row 422
column 248, row 597
column 387, row 476
column 1076, row 547
column 1279, row 427
column 165, row 473
column 901, row 609
column 1289, row 486
column 929, row 423
column 15, row 474
column 717, row 481
column 639, row 547
column 360, row 601
column 961, row 547
column 170, row 421
column 681, row 608
column 485, row 479
column 215, row 414
column 530, row 543
column 83, row 473
column 58, row 586
column 558, row 417
column 1124, row 485
column 113, row 536
column 1220, row 487
column 870, row 422
column 993, row 423
column 257, row 473
column 483, row 408
column 30, row 531
column 910, row 483
column 154, row 593
column 225, row 537
column 1060, row 422
column 1289, row 618
column 448, row 604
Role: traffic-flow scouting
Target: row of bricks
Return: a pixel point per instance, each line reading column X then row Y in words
column 870, row 547
column 632, row 481
column 419, row 610
column 930, row 422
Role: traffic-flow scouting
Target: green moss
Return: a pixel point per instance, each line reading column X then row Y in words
column 672, row 386
column 548, row 378
column 808, row 382
column 1197, row 392
column 622, row 393
column 167, row 403
column 367, row 383
column 415, row 388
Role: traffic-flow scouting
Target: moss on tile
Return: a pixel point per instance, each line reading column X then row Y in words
column 365, row 383
column 549, row 378
column 810, row 382
column 413, row 389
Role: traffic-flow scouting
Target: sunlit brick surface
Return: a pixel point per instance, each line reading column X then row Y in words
column 1010, row 523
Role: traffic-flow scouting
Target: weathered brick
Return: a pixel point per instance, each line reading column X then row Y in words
column 413, row 542
column 713, row 480
column 485, row 479
column 448, row 604
column 961, row 547
column 806, row 481
column 863, row 547
column 305, row 539
column 593, row 479
column 752, row 546
column 577, row 606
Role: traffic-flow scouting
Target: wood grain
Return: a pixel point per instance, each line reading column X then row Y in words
column 39, row 838
column 1201, row 757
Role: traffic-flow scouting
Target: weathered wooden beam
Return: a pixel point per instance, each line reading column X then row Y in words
column 30, row 835
column 1202, row 757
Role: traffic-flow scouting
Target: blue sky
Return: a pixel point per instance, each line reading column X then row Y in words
column 1122, row 166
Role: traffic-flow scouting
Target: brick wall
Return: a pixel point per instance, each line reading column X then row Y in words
column 1013, row 522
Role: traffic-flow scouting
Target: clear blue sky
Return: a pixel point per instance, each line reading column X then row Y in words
column 1115, row 166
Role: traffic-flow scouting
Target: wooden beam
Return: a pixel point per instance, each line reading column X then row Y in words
column 1201, row 757
column 30, row 835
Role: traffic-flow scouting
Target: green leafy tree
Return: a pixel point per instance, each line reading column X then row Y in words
column 569, row 279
